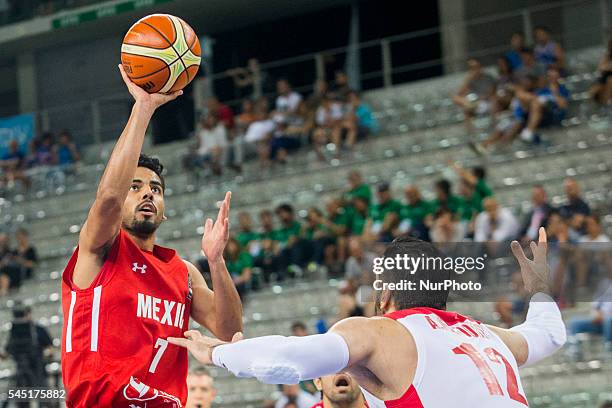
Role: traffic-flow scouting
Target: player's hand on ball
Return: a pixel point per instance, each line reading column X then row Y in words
column 216, row 234
column 152, row 101
column 535, row 273
column 201, row 347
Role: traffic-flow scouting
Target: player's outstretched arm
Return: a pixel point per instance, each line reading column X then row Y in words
column 543, row 331
column 219, row 311
column 284, row 360
column 103, row 222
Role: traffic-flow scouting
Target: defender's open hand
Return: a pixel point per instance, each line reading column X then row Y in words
column 216, row 234
column 535, row 273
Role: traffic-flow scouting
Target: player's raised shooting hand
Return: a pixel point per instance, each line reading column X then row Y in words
column 216, row 234
column 201, row 347
column 535, row 273
column 152, row 101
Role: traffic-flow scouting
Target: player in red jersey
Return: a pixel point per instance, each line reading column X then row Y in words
column 417, row 354
column 122, row 295
column 339, row 391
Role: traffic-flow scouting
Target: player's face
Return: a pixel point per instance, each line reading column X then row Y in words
column 201, row 391
column 143, row 209
column 340, row 388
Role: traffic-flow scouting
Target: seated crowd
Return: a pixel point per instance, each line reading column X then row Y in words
column 331, row 119
column 54, row 160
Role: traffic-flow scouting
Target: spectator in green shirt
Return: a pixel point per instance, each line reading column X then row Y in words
column 475, row 177
column 316, row 233
column 338, row 221
column 267, row 259
column 412, row 215
column 239, row 264
column 358, row 215
column 357, row 187
column 294, row 252
column 445, row 199
column 384, row 215
column 246, row 236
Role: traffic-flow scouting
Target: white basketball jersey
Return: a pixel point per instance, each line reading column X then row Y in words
column 461, row 364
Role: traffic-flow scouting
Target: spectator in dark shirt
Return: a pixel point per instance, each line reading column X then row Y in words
column 10, row 268
column 477, row 93
column 26, row 253
column 576, row 209
column 341, row 86
column 30, row 346
column 538, row 216
column 45, row 151
column 601, row 91
column 517, row 42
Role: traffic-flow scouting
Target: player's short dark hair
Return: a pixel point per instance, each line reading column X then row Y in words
column 416, row 248
column 200, row 371
column 154, row 165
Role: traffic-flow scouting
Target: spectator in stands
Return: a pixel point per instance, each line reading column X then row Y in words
column 476, row 96
column 505, row 84
column 320, row 89
column 243, row 121
column 10, row 268
column 517, row 43
column 600, row 321
column 530, row 68
column 341, row 86
column 594, row 232
column 413, row 214
column 328, row 121
column 554, row 98
column 358, row 215
column 288, row 100
column 12, row 165
column 495, row 223
column 66, row 152
column 249, row 80
column 360, row 115
column 316, row 232
column 601, row 91
column 548, row 52
column 298, row 329
column 240, row 266
column 384, row 215
column 576, row 209
column 445, row 198
column 259, row 132
column 201, row 391
column 476, row 178
column 339, row 391
column 357, row 187
column 30, row 346
column 267, row 258
column 285, row 139
column 293, row 394
column 212, row 144
column 538, row 216
column 358, row 266
column 247, row 237
column 445, row 228
column 26, row 253
column 221, row 112
column 293, row 253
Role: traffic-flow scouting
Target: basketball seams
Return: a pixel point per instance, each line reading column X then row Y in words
column 173, row 48
column 180, row 36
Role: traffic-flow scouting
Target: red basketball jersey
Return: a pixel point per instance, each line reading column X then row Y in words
column 114, row 348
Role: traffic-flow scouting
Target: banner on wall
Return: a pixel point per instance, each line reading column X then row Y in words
column 21, row 128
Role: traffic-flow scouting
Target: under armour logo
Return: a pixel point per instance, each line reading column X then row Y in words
column 132, row 405
column 139, row 268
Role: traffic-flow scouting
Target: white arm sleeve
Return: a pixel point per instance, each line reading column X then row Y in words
column 543, row 328
column 284, row 360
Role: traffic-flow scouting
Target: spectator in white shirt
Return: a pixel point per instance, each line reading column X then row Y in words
column 328, row 120
column 287, row 100
column 212, row 143
column 495, row 223
column 594, row 233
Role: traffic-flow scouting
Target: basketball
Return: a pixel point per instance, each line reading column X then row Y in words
column 161, row 53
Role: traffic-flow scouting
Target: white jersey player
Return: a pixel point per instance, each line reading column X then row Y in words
column 417, row 354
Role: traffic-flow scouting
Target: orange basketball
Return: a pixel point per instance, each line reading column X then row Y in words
column 161, row 53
